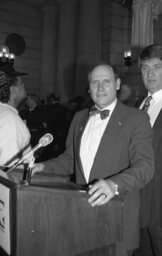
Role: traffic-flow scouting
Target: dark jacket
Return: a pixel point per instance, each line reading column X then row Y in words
column 125, row 154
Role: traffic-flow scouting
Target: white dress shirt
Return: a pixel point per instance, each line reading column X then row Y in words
column 91, row 139
column 155, row 106
column 14, row 135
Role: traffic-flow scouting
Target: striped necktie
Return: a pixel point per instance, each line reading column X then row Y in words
column 147, row 103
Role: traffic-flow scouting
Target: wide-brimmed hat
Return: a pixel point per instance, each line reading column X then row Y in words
column 10, row 71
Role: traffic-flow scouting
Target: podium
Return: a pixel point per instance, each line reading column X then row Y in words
column 52, row 217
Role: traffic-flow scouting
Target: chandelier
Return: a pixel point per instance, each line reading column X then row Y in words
column 128, row 58
column 6, row 56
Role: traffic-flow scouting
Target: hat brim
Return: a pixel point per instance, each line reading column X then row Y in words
column 13, row 74
column 10, row 71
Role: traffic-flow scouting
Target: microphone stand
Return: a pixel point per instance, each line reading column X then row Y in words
column 43, row 142
column 27, row 174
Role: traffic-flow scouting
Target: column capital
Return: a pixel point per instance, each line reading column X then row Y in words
column 155, row 5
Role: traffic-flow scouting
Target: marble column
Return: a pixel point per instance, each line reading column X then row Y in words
column 142, row 25
column 67, row 45
column 49, row 50
column 144, row 12
column 89, row 42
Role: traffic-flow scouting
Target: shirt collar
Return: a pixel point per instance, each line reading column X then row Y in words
column 157, row 96
column 110, row 107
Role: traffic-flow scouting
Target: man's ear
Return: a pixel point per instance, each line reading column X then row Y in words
column 118, row 82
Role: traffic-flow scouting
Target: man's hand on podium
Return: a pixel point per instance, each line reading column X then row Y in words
column 37, row 168
column 101, row 192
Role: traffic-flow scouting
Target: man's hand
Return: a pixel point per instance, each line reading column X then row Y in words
column 37, row 168
column 101, row 192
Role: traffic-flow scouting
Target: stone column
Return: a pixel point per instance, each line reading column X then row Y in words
column 67, row 45
column 144, row 12
column 49, row 50
column 89, row 42
column 142, row 25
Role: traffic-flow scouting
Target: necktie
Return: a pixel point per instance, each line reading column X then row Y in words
column 103, row 113
column 147, row 103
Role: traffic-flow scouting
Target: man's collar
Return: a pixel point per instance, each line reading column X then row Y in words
column 157, row 96
column 110, row 107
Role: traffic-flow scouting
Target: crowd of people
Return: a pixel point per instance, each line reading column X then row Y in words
column 49, row 117
column 105, row 144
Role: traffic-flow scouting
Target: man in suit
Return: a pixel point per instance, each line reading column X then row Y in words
column 112, row 153
column 150, row 62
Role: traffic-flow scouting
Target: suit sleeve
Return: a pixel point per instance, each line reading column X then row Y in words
column 141, row 157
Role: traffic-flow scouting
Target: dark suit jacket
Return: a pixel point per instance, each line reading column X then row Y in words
column 151, row 195
column 125, row 154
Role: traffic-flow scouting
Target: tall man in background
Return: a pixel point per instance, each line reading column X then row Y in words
column 109, row 148
column 14, row 135
column 150, row 62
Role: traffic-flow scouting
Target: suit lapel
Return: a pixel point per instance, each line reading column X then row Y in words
column 158, row 120
column 111, row 134
column 82, row 124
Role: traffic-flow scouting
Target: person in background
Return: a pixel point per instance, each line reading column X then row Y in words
column 33, row 101
column 56, row 114
column 74, row 105
column 28, row 105
column 35, row 117
column 109, row 148
column 14, row 135
column 124, row 94
column 150, row 63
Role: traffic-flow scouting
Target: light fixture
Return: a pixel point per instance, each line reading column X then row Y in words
column 6, row 56
column 128, row 58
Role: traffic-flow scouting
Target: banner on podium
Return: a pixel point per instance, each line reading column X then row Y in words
column 5, row 242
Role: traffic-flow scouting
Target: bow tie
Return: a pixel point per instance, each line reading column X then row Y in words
column 103, row 113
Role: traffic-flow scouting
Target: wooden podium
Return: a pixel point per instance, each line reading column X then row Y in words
column 52, row 217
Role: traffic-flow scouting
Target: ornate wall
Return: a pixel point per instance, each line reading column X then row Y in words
column 64, row 37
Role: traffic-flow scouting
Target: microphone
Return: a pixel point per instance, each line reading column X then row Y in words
column 44, row 141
